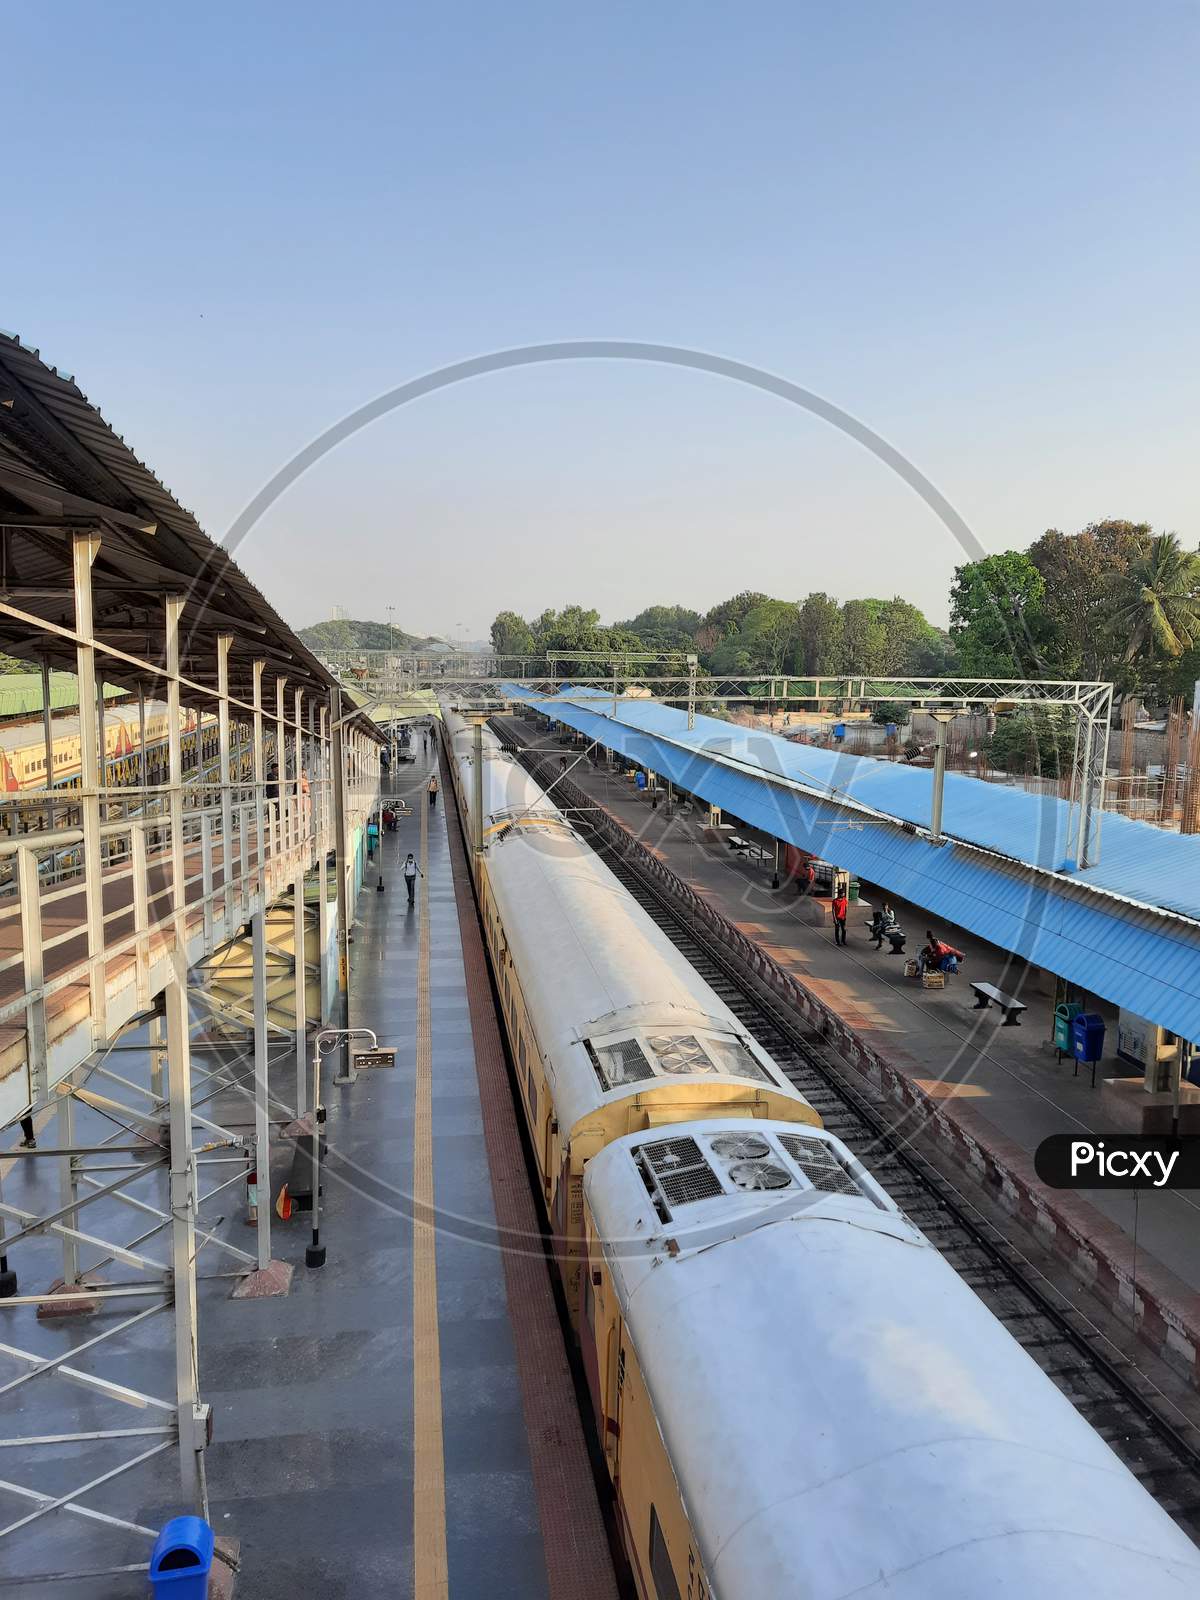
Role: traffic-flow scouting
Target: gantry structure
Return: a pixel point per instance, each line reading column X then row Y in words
column 114, row 902
column 674, row 678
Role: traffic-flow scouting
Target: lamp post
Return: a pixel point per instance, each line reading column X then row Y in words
column 941, row 720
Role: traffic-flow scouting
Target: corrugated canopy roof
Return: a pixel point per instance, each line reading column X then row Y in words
column 1150, row 866
column 1133, row 938
column 62, row 468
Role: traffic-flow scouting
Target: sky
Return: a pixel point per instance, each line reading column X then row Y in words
column 974, row 228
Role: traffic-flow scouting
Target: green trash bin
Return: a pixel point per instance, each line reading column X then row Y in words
column 1064, row 1016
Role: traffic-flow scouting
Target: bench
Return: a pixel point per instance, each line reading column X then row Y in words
column 1012, row 1008
column 893, row 933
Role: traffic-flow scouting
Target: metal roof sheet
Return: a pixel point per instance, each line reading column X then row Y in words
column 1128, row 952
column 59, row 457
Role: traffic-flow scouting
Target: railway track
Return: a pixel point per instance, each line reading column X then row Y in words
column 1159, row 1445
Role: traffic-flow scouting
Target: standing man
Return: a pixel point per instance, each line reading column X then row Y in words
column 841, row 906
column 808, row 876
column 433, row 789
column 410, row 877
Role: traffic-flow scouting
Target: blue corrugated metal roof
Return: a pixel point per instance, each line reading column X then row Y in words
column 1130, row 954
column 1149, row 865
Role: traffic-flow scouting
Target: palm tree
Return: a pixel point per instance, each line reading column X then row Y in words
column 1163, row 607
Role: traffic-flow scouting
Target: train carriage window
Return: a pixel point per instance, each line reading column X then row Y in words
column 521, row 1052
column 661, row 1571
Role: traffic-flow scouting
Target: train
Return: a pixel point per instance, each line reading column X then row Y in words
column 23, row 749
column 796, row 1397
column 610, row 1028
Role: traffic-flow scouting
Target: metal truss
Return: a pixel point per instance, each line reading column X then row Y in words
column 104, row 916
column 673, row 678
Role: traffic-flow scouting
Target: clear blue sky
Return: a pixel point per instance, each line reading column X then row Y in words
column 973, row 226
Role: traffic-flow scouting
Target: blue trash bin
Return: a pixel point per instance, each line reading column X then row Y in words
column 1087, row 1036
column 182, row 1559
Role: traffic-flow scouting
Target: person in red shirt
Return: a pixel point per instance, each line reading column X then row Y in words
column 841, row 907
column 807, row 877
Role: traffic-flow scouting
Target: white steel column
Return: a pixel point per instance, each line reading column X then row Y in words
column 341, row 868
column 323, row 934
column 48, row 738
column 259, row 779
column 224, row 645
column 191, row 1416
column 301, row 993
column 174, row 611
column 297, row 769
column 278, row 843
column 84, row 550
column 262, row 1126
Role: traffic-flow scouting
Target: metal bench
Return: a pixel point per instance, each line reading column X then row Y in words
column 986, row 993
column 893, row 933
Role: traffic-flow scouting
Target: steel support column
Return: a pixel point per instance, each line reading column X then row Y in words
column 85, row 547
column 259, row 780
column 190, row 1416
column 262, row 1125
column 341, row 866
column 301, row 993
column 224, row 645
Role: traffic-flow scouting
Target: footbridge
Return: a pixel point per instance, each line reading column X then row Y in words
column 144, row 913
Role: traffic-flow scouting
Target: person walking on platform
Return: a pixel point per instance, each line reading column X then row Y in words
column 841, row 907
column 807, row 878
column 411, row 869
column 433, row 790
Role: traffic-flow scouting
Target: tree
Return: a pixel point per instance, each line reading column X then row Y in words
column 725, row 619
column 897, row 711
column 512, row 635
column 1033, row 741
column 1161, row 606
column 1084, row 574
column 996, row 616
column 665, row 627
column 863, row 638
column 909, row 640
column 765, row 642
column 820, row 635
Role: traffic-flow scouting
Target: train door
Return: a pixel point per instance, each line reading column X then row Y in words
column 614, row 1389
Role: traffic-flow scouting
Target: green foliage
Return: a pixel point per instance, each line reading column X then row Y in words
column 820, row 629
column 665, row 627
column 1160, row 606
column 1040, row 742
column 996, row 616
column 1083, row 575
column 765, row 641
column 512, row 635
column 343, row 634
column 897, row 711
column 863, row 638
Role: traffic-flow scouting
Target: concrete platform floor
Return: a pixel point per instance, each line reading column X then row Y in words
column 1007, row 1075
column 370, row 1429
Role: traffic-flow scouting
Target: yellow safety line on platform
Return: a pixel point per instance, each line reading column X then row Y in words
column 431, row 1577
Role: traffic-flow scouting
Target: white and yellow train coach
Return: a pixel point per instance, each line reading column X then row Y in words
column 611, row 1030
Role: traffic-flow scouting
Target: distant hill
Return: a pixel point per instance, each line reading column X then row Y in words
column 345, row 634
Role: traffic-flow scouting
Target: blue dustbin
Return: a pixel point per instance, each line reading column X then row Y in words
column 1087, row 1036
column 182, row 1559
column 839, row 730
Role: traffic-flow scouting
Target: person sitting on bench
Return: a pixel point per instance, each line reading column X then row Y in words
column 882, row 919
column 938, row 956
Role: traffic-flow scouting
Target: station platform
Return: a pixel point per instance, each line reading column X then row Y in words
column 990, row 1092
column 404, row 1420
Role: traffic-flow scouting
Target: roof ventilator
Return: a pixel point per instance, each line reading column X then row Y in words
column 675, row 1174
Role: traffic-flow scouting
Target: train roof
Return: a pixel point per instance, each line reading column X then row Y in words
column 843, row 1414
column 615, row 1004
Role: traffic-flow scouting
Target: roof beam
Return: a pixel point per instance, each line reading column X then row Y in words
column 53, row 498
